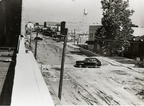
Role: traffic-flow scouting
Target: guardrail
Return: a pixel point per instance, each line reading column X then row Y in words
column 29, row 88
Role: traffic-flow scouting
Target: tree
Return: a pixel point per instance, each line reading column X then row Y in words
column 116, row 22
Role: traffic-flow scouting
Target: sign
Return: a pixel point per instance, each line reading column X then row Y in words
column 30, row 26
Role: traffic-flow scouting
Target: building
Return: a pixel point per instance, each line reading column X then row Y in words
column 137, row 44
column 135, row 50
column 92, row 33
column 54, row 26
column 10, row 22
column 10, row 29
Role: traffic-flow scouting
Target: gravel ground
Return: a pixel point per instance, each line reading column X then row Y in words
column 111, row 84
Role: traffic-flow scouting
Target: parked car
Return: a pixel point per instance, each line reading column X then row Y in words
column 88, row 62
column 47, row 32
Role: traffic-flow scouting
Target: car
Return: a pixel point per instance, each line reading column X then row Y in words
column 88, row 62
column 47, row 33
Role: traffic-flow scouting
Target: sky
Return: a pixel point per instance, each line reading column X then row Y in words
column 72, row 11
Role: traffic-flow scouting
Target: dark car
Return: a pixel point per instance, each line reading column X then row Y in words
column 47, row 32
column 88, row 62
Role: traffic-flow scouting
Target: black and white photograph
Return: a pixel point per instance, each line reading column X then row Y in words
column 71, row 53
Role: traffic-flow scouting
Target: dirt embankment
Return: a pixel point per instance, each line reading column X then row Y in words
column 107, row 85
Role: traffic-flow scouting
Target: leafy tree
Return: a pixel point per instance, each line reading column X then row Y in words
column 116, row 22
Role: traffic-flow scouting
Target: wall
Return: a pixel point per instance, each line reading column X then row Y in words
column 10, row 20
column 92, row 31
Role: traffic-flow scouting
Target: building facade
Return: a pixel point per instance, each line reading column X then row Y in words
column 92, row 33
column 10, row 22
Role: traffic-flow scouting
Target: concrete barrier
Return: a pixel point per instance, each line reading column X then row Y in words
column 29, row 88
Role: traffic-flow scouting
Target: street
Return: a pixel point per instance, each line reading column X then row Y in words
column 111, row 84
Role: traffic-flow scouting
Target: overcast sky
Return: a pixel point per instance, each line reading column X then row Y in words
column 72, row 10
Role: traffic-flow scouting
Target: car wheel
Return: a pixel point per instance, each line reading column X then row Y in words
column 95, row 66
column 86, row 66
column 80, row 66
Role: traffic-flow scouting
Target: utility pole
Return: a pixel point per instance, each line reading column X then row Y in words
column 35, row 54
column 80, row 39
column 62, row 65
column 74, row 36
column 37, row 29
column 30, row 38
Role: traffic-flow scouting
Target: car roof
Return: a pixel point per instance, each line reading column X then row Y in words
column 90, row 58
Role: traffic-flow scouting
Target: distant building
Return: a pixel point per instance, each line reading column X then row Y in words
column 92, row 33
column 79, row 26
column 54, row 26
